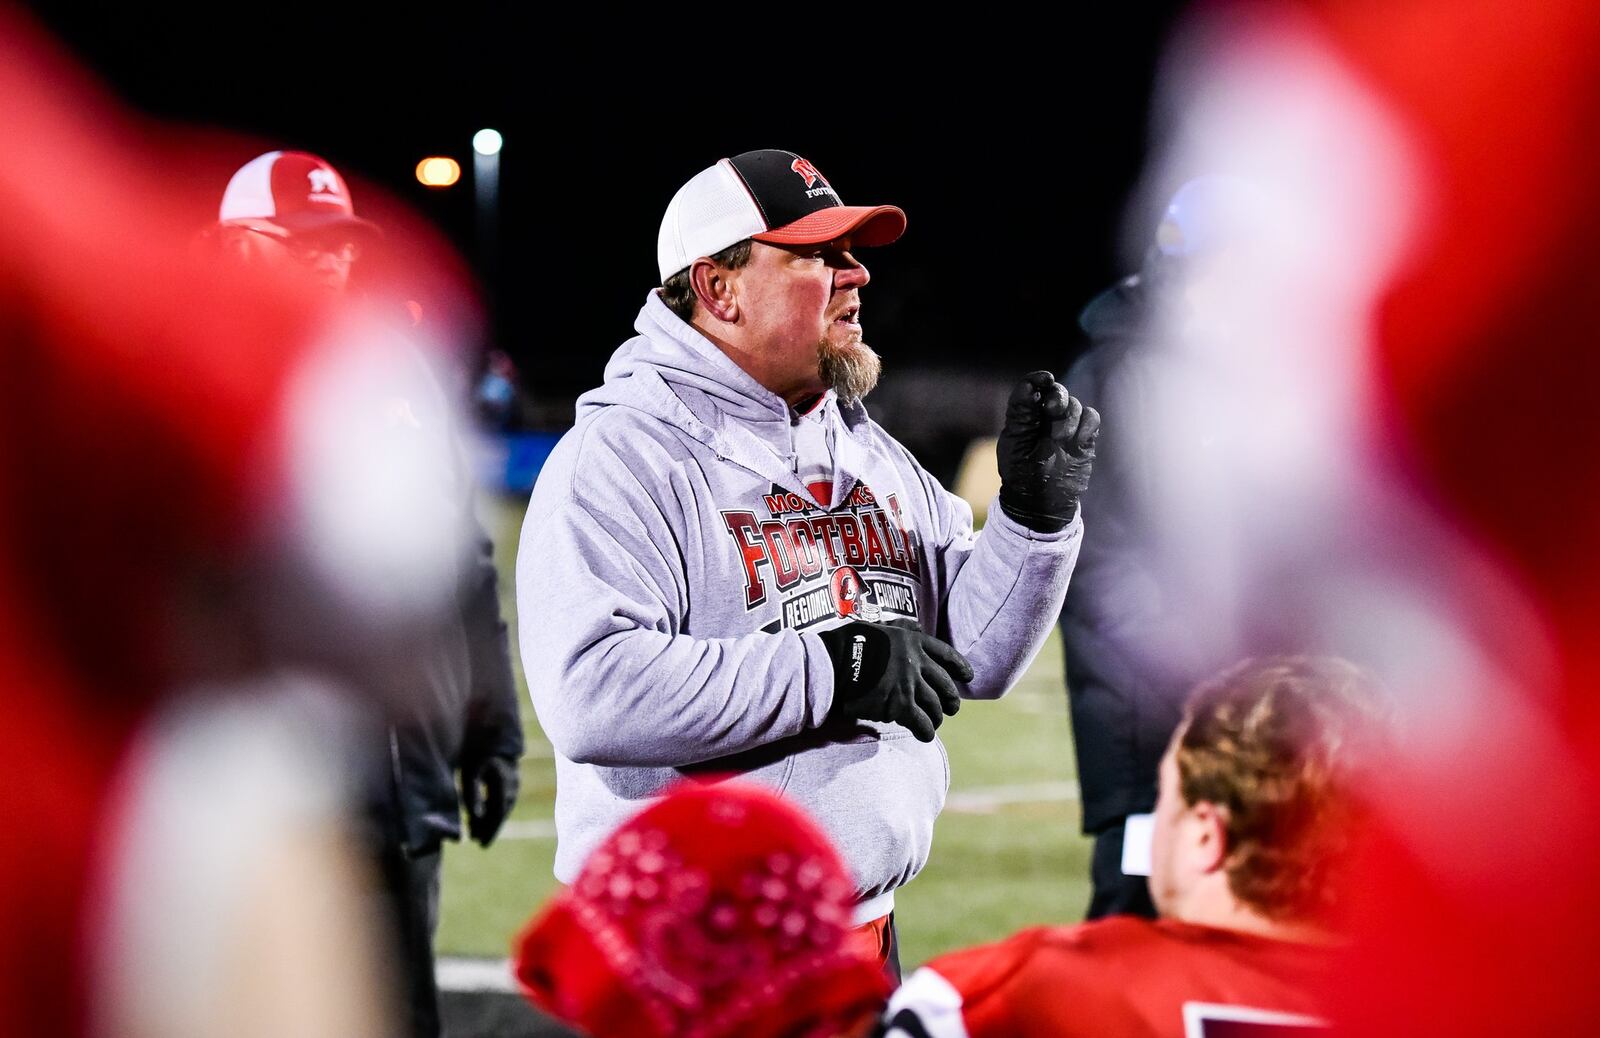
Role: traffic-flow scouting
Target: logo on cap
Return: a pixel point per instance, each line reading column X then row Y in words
column 323, row 182
column 807, row 170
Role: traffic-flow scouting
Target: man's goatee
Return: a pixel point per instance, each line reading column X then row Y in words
column 850, row 370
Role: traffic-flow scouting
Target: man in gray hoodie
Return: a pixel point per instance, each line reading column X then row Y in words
column 727, row 566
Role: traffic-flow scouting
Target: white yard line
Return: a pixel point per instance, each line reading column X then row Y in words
column 475, row 975
column 528, row 829
column 1045, row 705
column 984, row 800
column 979, row 800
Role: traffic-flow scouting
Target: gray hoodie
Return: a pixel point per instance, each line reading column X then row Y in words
column 674, row 571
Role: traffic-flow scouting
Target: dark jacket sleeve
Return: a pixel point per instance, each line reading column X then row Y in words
column 1122, row 695
column 494, row 724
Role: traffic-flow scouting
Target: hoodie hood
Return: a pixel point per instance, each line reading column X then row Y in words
column 684, row 359
column 672, row 372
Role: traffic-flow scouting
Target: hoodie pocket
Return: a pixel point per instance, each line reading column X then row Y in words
column 771, row 765
column 878, row 796
column 873, row 787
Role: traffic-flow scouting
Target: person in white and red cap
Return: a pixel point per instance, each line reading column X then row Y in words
column 455, row 718
column 676, row 573
column 299, row 202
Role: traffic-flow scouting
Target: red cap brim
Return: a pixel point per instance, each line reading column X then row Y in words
column 868, row 225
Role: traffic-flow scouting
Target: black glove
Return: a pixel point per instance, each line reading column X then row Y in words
column 894, row 674
column 1046, row 451
column 488, row 791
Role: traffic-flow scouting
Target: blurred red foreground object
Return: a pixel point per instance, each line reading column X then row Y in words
column 1482, row 906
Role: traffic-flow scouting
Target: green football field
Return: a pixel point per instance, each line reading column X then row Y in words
column 1006, row 851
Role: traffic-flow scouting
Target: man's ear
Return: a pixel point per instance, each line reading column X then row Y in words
column 1211, row 835
column 715, row 290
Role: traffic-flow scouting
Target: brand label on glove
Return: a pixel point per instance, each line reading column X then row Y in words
column 858, row 646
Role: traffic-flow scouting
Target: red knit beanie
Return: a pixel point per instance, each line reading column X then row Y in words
column 720, row 910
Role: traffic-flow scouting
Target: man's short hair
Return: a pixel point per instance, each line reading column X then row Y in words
column 678, row 293
column 1284, row 745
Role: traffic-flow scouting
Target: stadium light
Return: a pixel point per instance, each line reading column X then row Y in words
column 487, row 142
column 438, row 171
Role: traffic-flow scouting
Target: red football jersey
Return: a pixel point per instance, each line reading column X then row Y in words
column 1119, row 976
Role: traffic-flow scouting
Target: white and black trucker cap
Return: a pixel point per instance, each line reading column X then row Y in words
column 769, row 195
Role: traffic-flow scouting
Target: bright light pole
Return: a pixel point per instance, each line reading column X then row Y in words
column 486, row 144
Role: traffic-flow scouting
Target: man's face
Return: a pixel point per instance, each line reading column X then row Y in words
column 802, row 306
column 328, row 258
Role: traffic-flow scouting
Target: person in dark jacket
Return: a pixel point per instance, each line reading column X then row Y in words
column 1134, row 625
column 450, row 709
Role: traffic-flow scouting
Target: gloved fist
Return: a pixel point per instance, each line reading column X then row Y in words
column 1046, row 451
column 488, row 792
column 894, row 674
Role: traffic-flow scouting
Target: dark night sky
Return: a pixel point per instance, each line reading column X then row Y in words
column 1012, row 149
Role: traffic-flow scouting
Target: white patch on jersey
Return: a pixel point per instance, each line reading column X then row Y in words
column 1197, row 1014
column 934, row 1002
